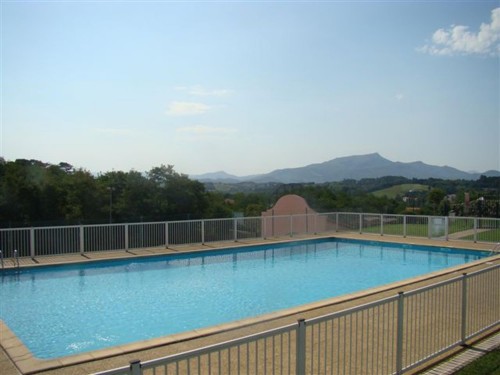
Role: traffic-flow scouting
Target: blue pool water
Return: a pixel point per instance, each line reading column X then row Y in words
column 64, row 310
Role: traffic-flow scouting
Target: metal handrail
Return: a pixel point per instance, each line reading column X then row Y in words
column 496, row 249
column 16, row 258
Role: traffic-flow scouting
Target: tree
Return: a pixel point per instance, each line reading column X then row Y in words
column 132, row 198
column 83, row 199
column 218, row 206
column 435, row 197
column 175, row 195
column 21, row 186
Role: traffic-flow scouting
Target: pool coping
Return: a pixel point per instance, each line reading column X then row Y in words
column 27, row 363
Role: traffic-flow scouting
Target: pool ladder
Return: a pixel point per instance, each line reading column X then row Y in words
column 496, row 249
column 16, row 258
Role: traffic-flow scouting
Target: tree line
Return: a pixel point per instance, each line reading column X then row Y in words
column 34, row 193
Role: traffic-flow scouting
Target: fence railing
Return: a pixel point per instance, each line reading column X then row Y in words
column 389, row 336
column 33, row 242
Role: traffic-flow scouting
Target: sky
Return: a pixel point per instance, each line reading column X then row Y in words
column 249, row 86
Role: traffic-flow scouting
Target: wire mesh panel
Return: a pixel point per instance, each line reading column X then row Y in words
column 266, row 353
column 219, row 230
column 357, row 341
column 393, row 225
column 371, row 223
column 104, row 237
column 303, row 224
column 426, row 312
column 488, row 230
column 56, row 240
column 349, row 222
column 461, row 228
column 483, row 300
column 15, row 239
column 249, row 227
column 185, row 232
column 417, row 226
column 278, row 226
column 142, row 235
column 326, row 222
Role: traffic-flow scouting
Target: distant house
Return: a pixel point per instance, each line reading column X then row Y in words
column 451, row 197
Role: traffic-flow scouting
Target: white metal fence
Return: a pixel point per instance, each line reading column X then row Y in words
column 390, row 336
column 33, row 242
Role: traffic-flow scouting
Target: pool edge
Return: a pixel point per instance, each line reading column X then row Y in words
column 26, row 363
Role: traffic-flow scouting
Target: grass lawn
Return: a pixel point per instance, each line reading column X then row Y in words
column 413, row 230
column 489, row 236
column 402, row 189
column 488, row 364
column 421, row 230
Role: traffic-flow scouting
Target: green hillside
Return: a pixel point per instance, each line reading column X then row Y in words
column 401, row 190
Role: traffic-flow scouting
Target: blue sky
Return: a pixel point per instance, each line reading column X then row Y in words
column 249, row 86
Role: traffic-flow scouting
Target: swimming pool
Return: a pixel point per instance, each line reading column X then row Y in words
column 64, row 310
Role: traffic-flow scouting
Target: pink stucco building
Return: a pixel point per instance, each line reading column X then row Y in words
column 291, row 215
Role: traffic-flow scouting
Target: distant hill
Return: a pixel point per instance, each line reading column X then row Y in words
column 220, row 176
column 351, row 167
column 402, row 189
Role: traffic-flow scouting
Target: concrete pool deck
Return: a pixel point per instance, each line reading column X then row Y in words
column 13, row 351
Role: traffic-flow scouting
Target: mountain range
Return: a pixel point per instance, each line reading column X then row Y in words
column 350, row 167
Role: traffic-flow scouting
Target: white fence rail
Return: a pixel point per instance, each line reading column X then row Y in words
column 389, row 336
column 33, row 242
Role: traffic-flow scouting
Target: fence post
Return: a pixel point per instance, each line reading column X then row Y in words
column 135, row 367
column 32, row 242
column 446, row 230
column 264, row 226
column 336, row 222
column 429, row 227
column 291, row 225
column 360, row 223
column 235, row 229
column 475, row 229
column 463, row 335
column 203, row 232
column 82, row 239
column 404, row 226
column 315, row 224
column 381, row 224
column 166, row 235
column 399, row 337
column 126, row 236
column 300, row 356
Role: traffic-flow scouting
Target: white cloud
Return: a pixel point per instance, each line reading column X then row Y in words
column 186, row 108
column 198, row 90
column 399, row 97
column 196, row 132
column 459, row 40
